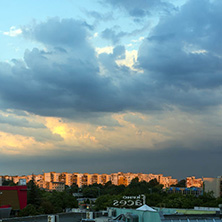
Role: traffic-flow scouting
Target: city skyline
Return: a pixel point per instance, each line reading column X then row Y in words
column 118, row 178
column 108, row 86
column 58, row 181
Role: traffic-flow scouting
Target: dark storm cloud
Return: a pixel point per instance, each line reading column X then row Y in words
column 177, row 162
column 65, row 80
column 111, row 34
column 185, row 49
column 115, row 36
column 183, row 55
column 108, row 60
column 48, row 85
column 181, row 59
column 56, row 32
column 141, row 8
column 135, row 93
column 57, row 82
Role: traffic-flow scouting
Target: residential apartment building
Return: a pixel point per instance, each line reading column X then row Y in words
column 44, row 180
column 48, row 177
column 103, row 178
column 214, row 185
column 58, row 186
column 55, row 177
column 193, row 182
column 167, row 181
column 68, row 180
column 39, row 177
column 94, row 178
column 85, row 179
column 114, row 178
column 75, row 178
column 43, row 184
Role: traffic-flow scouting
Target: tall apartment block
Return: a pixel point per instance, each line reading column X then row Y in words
column 193, row 182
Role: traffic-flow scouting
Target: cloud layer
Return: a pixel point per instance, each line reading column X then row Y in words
column 171, row 161
column 182, row 67
column 65, row 94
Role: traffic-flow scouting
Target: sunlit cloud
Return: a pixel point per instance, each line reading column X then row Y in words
column 138, row 40
column 13, row 32
column 107, row 49
column 130, row 60
column 21, row 145
column 75, row 135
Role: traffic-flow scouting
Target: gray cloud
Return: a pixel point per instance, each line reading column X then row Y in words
column 184, row 48
column 100, row 16
column 180, row 62
column 142, row 8
column 18, row 112
column 182, row 55
column 178, row 162
column 111, row 34
column 21, row 122
column 66, row 82
column 115, row 36
column 65, row 32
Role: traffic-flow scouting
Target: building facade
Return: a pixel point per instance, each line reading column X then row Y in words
column 193, row 182
column 213, row 185
column 57, row 186
column 44, row 180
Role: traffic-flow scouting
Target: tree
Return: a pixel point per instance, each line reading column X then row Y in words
column 106, row 201
column 28, row 210
column 154, row 199
column 46, row 207
column 8, row 183
column 181, row 183
column 91, row 192
column 61, row 200
column 112, row 189
column 152, row 183
column 33, row 195
column 73, row 188
column 134, row 181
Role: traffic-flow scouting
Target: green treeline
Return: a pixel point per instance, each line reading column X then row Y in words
column 155, row 196
column 43, row 202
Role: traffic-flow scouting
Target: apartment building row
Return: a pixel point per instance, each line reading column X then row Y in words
column 116, row 178
column 45, row 180
column 57, row 181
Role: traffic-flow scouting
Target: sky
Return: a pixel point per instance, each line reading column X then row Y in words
column 103, row 86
